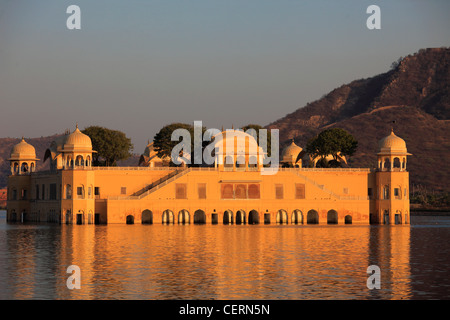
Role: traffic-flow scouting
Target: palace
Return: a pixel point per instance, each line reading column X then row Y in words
column 233, row 191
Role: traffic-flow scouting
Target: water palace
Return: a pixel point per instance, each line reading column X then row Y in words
column 73, row 191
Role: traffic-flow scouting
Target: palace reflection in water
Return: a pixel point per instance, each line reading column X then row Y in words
column 222, row 262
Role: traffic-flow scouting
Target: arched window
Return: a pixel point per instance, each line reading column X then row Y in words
column 241, row 191
column 282, row 217
column 228, row 161
column 90, row 220
column 199, row 217
column 253, row 217
column 14, row 194
column 167, row 217
column 386, row 192
column 79, row 162
column 68, row 192
column 348, row 219
column 240, row 217
column 147, row 217
column 312, row 217
column 252, row 162
column 332, row 217
column 253, row 191
column 80, row 192
column 396, row 163
column 297, row 217
column 240, row 161
column 130, row 219
column 24, row 167
column 184, row 217
column 68, row 217
column 387, row 164
column 228, row 217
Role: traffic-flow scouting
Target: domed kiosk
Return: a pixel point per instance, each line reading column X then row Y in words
column 392, row 181
column 71, row 151
column 23, row 158
column 393, row 152
column 292, row 155
column 237, row 150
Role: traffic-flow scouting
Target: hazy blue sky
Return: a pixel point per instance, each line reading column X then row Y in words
column 138, row 65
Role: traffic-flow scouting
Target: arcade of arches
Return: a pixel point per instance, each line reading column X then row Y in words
column 238, row 217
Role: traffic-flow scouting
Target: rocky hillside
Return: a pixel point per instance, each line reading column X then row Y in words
column 415, row 94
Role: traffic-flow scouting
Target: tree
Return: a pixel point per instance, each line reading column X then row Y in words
column 111, row 145
column 336, row 142
column 163, row 144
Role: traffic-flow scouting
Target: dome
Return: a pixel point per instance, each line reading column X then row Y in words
column 23, row 151
column 243, row 142
column 77, row 140
column 291, row 152
column 392, row 144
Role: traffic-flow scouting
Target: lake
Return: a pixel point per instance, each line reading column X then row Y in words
column 288, row 262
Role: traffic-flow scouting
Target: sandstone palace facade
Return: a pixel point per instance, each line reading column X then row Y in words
column 73, row 191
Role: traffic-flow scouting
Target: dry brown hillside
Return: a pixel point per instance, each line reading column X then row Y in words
column 415, row 94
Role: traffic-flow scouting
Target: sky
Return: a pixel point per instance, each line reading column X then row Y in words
column 137, row 65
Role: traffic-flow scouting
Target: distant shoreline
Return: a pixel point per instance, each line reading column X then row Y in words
column 430, row 211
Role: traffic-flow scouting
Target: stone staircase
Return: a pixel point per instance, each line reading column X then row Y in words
column 159, row 183
column 330, row 192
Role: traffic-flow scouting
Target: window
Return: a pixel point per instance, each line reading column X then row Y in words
column 397, row 193
column 202, row 190
column 370, row 193
column 14, row 194
column 43, row 192
column 279, row 191
column 299, row 191
column 24, row 194
column 123, row 190
column 240, row 191
column 386, row 192
column 180, row 191
column 89, row 192
column 227, row 191
column 37, row 192
column 253, row 191
column 68, row 192
column 53, row 191
column 345, row 190
column 97, row 191
column 80, row 192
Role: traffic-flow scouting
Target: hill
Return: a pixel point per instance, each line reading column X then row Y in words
column 415, row 94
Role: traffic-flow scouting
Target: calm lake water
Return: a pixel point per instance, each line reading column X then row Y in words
column 226, row 262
